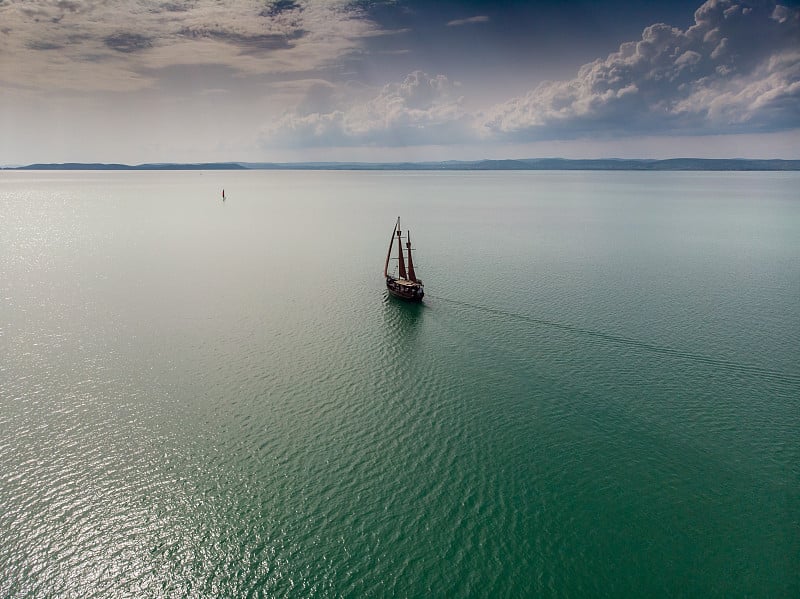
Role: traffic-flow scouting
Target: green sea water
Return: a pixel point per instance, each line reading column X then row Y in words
column 599, row 396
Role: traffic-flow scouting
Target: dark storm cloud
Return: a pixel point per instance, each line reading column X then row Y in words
column 273, row 9
column 127, row 42
column 258, row 44
column 174, row 7
column 70, row 5
column 44, row 45
column 249, row 44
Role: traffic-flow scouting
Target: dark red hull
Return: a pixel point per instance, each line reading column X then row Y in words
column 405, row 290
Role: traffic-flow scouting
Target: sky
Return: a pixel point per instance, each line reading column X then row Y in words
column 136, row 81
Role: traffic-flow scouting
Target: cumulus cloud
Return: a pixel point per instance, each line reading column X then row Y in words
column 422, row 109
column 736, row 69
column 120, row 45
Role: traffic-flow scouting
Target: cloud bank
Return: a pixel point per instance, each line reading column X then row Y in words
column 736, row 70
column 295, row 73
column 122, row 45
column 418, row 111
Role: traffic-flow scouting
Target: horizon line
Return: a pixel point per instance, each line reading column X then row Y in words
column 548, row 163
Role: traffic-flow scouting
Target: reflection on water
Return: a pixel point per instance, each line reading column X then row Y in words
column 401, row 314
column 404, row 322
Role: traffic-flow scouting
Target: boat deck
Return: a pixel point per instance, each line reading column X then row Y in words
column 407, row 283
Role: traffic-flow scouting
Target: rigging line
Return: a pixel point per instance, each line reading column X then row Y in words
column 620, row 340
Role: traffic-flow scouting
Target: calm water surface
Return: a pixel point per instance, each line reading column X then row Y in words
column 600, row 395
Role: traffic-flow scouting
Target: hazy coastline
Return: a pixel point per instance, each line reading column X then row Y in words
column 523, row 164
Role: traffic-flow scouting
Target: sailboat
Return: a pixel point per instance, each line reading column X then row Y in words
column 406, row 286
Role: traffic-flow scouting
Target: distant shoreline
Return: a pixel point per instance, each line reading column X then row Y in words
column 525, row 164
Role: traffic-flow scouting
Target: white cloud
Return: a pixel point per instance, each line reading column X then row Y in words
column 737, row 68
column 422, row 109
column 770, row 95
column 120, row 45
column 468, row 21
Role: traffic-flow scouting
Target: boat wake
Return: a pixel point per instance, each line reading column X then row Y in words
column 722, row 364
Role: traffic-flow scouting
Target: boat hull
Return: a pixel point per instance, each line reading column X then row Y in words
column 405, row 290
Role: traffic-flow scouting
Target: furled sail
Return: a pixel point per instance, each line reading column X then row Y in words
column 401, row 262
column 412, row 276
column 389, row 253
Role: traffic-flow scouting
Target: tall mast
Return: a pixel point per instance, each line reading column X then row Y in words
column 401, row 262
column 411, row 274
column 389, row 253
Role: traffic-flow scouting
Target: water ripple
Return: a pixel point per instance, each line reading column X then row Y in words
column 728, row 365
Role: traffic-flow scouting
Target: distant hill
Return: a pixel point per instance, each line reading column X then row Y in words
column 549, row 164
column 522, row 164
column 166, row 166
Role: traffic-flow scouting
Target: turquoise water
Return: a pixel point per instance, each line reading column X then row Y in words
column 600, row 395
